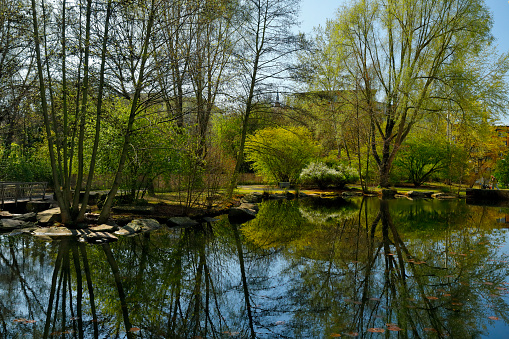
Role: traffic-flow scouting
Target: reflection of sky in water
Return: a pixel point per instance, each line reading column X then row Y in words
column 498, row 328
column 295, row 291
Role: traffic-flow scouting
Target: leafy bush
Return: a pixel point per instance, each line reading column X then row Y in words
column 280, row 154
column 24, row 168
column 318, row 173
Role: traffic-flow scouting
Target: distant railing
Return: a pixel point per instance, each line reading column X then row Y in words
column 16, row 191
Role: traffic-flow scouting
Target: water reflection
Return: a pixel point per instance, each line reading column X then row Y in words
column 301, row 269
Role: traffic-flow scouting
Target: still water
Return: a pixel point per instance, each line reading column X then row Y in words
column 360, row 268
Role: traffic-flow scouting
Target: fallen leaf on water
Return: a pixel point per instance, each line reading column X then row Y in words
column 394, row 327
column 431, row 298
column 134, row 329
column 335, row 335
column 464, row 283
column 487, row 283
column 30, row 321
column 21, row 320
column 376, row 330
column 457, row 304
column 374, row 299
column 494, row 318
column 352, row 334
column 462, row 254
column 447, row 294
column 501, row 288
column 390, row 254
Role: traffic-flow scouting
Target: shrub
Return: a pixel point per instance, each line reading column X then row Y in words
column 318, row 173
column 280, row 154
column 25, row 168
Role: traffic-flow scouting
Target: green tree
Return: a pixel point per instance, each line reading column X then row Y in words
column 417, row 58
column 422, row 156
column 502, row 171
column 280, row 154
column 131, row 29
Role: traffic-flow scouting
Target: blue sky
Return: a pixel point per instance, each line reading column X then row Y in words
column 315, row 12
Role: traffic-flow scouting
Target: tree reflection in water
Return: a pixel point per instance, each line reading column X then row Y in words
column 299, row 270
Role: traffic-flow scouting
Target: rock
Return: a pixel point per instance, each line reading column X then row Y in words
column 182, row 222
column 252, row 198
column 91, row 217
column 49, row 216
column 238, row 215
column 32, row 216
column 144, row 210
column 11, row 224
column 54, row 231
column 25, row 230
column 104, row 228
column 123, row 232
column 100, row 237
column 388, row 193
column 249, row 206
column 443, row 196
column 418, row 194
column 139, row 225
column 5, row 214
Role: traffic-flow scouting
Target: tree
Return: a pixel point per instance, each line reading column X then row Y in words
column 16, row 62
column 266, row 43
column 417, row 58
column 422, row 156
column 280, row 154
column 65, row 133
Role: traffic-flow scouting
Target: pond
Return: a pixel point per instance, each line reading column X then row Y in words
column 316, row 268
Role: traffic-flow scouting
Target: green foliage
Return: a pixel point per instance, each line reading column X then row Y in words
column 502, row 172
column 318, row 173
column 422, row 156
column 25, row 168
column 280, row 154
column 153, row 148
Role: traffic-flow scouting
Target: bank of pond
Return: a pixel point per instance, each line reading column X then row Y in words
column 302, row 268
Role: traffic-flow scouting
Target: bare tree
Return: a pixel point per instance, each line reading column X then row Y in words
column 263, row 54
